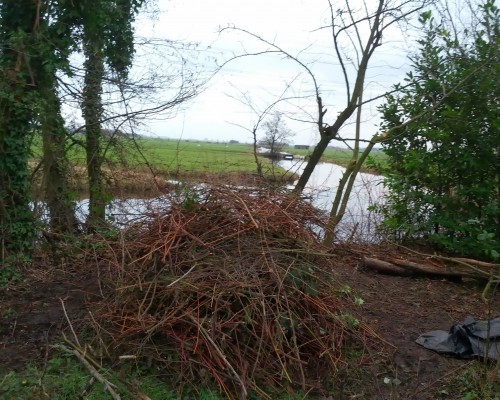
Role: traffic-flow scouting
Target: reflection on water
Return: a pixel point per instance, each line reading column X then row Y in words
column 124, row 211
column 321, row 189
column 324, row 181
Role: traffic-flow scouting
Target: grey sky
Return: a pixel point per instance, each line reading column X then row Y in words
column 294, row 26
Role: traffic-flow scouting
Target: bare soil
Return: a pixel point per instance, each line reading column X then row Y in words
column 398, row 308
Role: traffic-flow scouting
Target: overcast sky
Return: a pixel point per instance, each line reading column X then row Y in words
column 216, row 114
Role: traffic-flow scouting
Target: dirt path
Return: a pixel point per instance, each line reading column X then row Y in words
column 32, row 314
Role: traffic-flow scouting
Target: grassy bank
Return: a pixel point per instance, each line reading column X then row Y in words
column 200, row 156
column 131, row 164
column 190, row 157
column 196, row 156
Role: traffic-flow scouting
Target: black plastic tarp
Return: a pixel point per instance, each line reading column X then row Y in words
column 470, row 339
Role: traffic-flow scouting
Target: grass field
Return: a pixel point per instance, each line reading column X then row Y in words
column 187, row 158
column 194, row 156
column 66, row 378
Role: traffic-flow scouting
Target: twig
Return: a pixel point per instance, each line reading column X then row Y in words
column 221, row 355
column 87, row 388
column 69, row 322
column 110, row 387
column 295, row 347
column 476, row 262
column 248, row 211
column 84, row 352
column 45, row 362
column 183, row 276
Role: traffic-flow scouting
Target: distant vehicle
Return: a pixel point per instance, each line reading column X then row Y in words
column 264, row 152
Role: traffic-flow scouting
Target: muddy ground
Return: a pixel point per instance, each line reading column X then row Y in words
column 398, row 308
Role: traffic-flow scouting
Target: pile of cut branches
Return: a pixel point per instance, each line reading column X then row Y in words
column 233, row 287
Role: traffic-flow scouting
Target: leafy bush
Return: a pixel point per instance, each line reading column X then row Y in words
column 443, row 167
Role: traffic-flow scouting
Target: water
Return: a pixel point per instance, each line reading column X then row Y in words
column 358, row 222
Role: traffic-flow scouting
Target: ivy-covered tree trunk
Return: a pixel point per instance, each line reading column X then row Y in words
column 92, row 112
column 55, row 164
column 17, row 107
column 16, row 218
column 107, row 40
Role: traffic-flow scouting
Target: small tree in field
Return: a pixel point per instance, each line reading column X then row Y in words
column 443, row 172
column 276, row 134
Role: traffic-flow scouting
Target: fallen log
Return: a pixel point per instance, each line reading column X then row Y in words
column 464, row 266
column 408, row 268
column 433, row 272
column 478, row 263
column 384, row 267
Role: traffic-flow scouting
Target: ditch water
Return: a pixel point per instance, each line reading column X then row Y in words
column 358, row 222
column 322, row 187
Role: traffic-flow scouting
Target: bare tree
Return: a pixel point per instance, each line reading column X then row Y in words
column 347, row 28
column 125, row 102
column 276, row 134
column 356, row 33
column 261, row 115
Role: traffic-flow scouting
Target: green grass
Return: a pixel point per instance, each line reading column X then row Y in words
column 171, row 156
column 65, row 378
column 198, row 157
column 183, row 157
column 478, row 381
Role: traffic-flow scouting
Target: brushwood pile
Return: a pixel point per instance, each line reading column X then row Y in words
column 232, row 288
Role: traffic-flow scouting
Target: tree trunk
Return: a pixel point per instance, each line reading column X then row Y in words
column 16, row 217
column 92, row 113
column 311, row 164
column 61, row 207
column 17, row 105
column 343, row 194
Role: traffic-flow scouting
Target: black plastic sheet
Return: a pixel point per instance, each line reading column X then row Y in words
column 470, row 339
